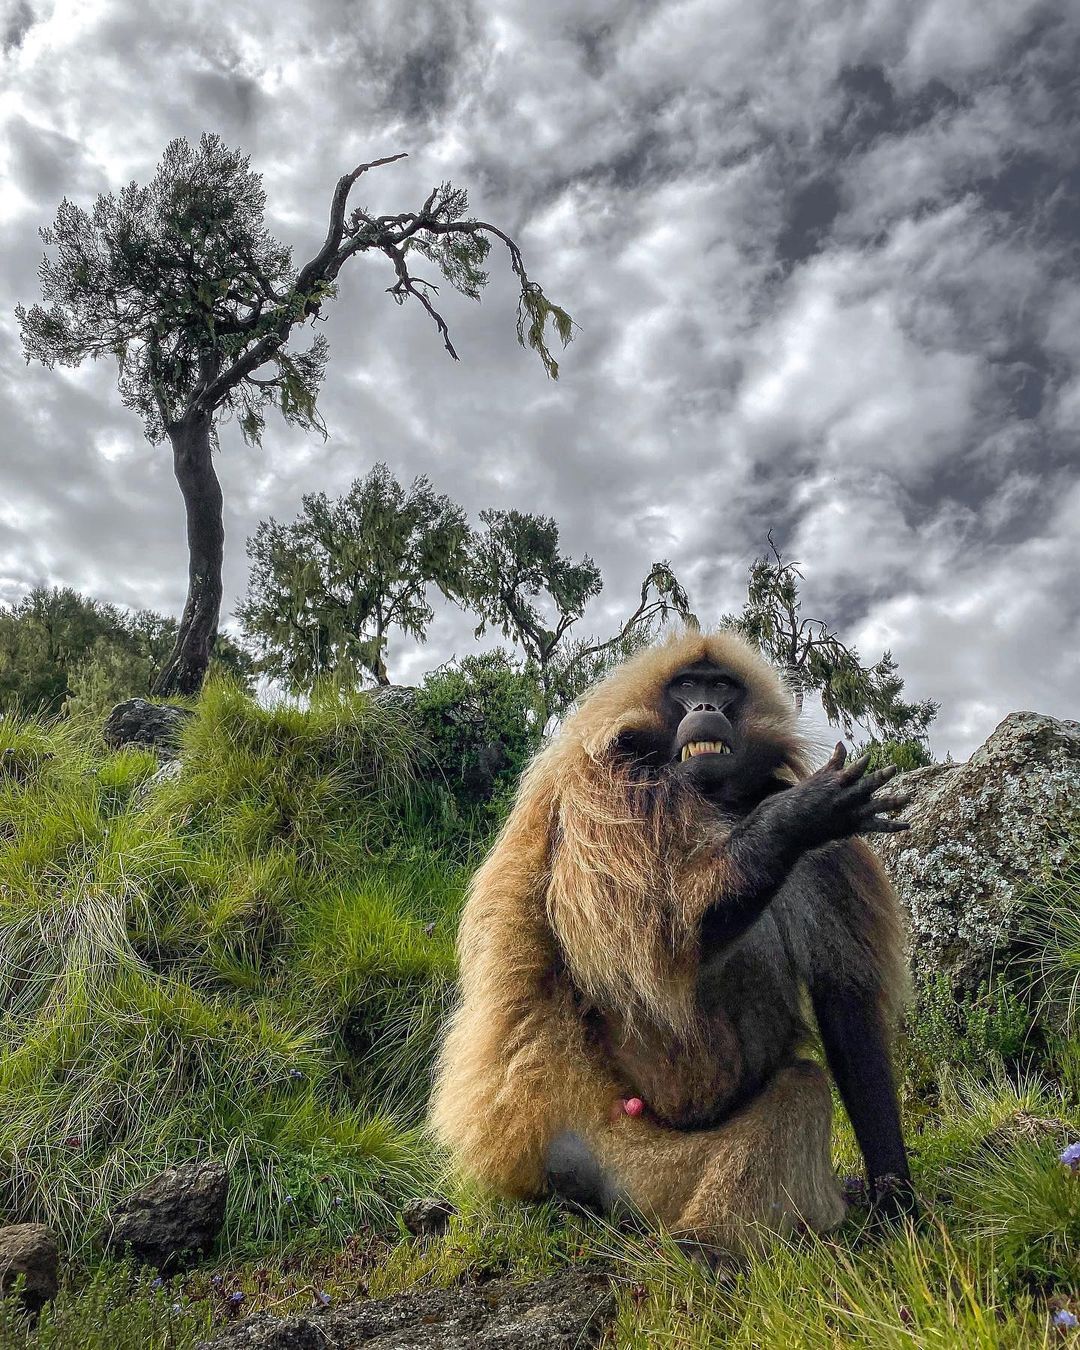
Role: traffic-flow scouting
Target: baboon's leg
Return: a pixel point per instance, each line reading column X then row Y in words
column 768, row 1168
column 772, row 1168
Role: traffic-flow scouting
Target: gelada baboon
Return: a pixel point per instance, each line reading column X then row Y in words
column 636, row 950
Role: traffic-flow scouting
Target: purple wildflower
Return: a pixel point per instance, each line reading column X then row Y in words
column 176, row 1307
column 296, row 1073
column 1066, row 1319
column 1071, row 1156
column 322, row 1298
column 157, row 1283
column 235, row 1298
column 216, row 1281
column 339, row 1200
column 289, row 1200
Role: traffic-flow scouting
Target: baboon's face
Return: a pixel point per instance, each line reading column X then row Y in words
column 706, row 737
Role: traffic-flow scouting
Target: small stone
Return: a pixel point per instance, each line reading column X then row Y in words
column 176, row 1216
column 428, row 1216
column 170, row 772
column 29, row 1250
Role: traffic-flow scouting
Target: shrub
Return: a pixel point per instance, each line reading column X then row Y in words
column 979, row 1032
column 481, row 720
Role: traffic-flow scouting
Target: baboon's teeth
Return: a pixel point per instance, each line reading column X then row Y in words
column 704, row 748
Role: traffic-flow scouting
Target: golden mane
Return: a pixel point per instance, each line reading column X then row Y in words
column 628, row 858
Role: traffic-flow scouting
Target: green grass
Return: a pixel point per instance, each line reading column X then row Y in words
column 253, row 962
column 249, row 962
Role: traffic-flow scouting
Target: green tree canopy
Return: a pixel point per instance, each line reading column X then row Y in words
column 522, row 585
column 57, row 646
column 326, row 590
column 812, row 658
column 183, row 285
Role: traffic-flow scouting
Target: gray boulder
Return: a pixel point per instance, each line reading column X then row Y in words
column 569, row 1311
column 174, row 1218
column 138, row 722
column 29, row 1250
column 981, row 834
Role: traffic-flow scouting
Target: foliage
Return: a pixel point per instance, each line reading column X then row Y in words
column 59, row 649
column 978, row 1032
column 116, row 1308
column 1052, row 940
column 812, row 658
column 182, row 283
column 482, row 719
column 521, row 584
column 161, row 277
column 326, row 590
column 908, row 753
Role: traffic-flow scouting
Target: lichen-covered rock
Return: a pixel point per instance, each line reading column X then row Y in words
column 170, row 772
column 981, row 834
column 173, row 1218
column 429, row 1216
column 563, row 1312
column 138, row 722
column 29, row 1250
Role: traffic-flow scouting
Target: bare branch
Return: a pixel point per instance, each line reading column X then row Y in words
column 317, row 268
column 407, row 285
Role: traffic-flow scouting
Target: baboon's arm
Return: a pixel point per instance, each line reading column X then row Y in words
column 757, row 856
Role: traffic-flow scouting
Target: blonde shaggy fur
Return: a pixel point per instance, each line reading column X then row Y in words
column 581, row 975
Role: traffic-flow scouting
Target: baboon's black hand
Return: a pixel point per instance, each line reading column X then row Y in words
column 838, row 801
column 834, row 803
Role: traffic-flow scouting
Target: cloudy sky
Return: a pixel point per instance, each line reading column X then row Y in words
column 823, row 258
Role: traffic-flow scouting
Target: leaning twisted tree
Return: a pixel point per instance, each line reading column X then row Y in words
column 182, row 283
column 812, row 658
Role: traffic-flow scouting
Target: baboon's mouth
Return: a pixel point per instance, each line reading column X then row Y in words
column 704, row 748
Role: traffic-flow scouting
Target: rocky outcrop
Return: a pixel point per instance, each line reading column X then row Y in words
column 137, row 722
column 29, row 1250
column 981, row 835
column 564, row 1312
column 173, row 1219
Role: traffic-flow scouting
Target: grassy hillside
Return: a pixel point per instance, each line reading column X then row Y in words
column 249, row 961
column 252, row 961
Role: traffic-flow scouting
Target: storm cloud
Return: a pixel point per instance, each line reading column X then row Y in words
column 823, row 262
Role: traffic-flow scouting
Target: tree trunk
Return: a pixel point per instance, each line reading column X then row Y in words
column 194, row 469
column 794, row 682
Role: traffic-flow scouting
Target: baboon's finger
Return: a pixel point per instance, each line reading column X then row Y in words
column 855, row 770
column 838, row 757
column 896, row 801
column 884, row 825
